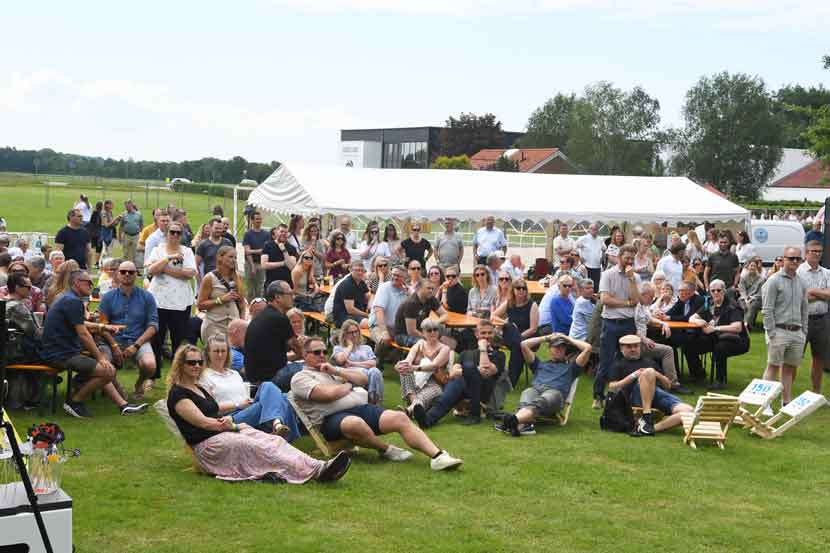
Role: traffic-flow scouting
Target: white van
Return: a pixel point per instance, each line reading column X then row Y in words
column 770, row 237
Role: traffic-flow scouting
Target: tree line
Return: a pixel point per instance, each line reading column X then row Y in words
column 203, row 170
column 733, row 131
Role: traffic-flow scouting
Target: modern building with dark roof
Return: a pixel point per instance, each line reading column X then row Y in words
column 397, row 148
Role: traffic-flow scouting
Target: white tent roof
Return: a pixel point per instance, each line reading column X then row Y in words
column 471, row 195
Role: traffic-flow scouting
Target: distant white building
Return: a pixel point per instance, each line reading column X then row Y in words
column 798, row 177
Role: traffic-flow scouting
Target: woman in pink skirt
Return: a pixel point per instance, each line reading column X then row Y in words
column 233, row 451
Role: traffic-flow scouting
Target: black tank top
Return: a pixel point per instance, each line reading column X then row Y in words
column 520, row 316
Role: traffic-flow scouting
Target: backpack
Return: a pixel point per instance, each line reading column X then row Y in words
column 617, row 415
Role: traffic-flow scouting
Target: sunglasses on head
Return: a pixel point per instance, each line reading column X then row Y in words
column 125, row 272
column 193, row 362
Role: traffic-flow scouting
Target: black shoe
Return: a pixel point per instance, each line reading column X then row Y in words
column 420, row 415
column 271, row 478
column 680, row 389
column 77, row 409
column 131, row 409
column 470, row 420
column 643, row 427
column 335, row 469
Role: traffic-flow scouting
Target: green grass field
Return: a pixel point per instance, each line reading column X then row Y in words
column 29, row 206
column 573, row 488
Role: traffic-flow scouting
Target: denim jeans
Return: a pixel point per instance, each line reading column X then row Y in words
column 269, row 405
column 449, row 398
column 282, row 379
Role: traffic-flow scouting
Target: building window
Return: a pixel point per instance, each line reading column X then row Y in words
column 406, row 155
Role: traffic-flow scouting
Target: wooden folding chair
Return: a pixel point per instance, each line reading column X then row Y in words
column 710, row 420
column 755, row 399
column 791, row 414
column 328, row 449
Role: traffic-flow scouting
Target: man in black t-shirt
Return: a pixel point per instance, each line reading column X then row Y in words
column 208, row 248
column 351, row 299
column 73, row 239
column 413, row 311
column 638, row 378
column 278, row 258
column 269, row 335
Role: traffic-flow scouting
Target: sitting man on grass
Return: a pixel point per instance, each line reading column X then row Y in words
column 552, row 382
column 637, row 377
column 337, row 399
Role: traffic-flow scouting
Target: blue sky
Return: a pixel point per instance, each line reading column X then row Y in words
column 277, row 79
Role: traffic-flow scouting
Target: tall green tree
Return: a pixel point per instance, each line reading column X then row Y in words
column 795, row 105
column 606, row 130
column 817, row 134
column 732, row 136
column 470, row 133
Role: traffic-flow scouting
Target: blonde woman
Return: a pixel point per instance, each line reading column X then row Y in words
column 232, row 451
column 482, row 297
column 59, row 282
column 316, row 246
column 269, row 411
column 352, row 353
column 306, row 289
column 419, row 371
column 221, row 295
column 694, row 249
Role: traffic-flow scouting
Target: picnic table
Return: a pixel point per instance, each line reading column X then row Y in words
column 536, row 288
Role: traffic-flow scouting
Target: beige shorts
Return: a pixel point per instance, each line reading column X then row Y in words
column 786, row 347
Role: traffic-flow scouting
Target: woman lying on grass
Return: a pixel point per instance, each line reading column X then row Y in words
column 233, row 451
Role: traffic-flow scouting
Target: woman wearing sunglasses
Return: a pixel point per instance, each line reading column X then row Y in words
column 455, row 296
column 338, row 257
column 425, row 370
column 232, row 451
column 306, row 290
column 379, row 274
column 436, row 276
column 352, row 353
column 504, row 288
column 372, row 246
column 416, row 247
column 522, row 322
column 482, row 298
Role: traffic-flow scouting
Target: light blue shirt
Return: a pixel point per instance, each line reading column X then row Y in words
column 544, row 305
column 489, row 241
column 389, row 299
column 156, row 238
column 583, row 311
column 137, row 312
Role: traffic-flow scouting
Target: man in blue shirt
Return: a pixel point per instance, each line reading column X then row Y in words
column 135, row 308
column 65, row 337
column 583, row 310
column 562, row 306
column 552, row 382
column 236, row 341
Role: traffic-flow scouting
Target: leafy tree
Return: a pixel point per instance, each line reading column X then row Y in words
column 790, row 102
column 456, row 162
column 506, row 164
column 470, row 133
column 605, row 131
column 817, row 135
column 732, row 136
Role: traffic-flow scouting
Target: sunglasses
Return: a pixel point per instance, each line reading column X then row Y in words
column 504, row 279
column 382, row 265
column 814, row 251
column 434, row 273
column 520, row 288
column 430, row 330
column 308, row 258
column 416, row 268
column 125, row 272
column 452, row 276
column 479, row 274
column 416, row 229
column 174, row 232
column 793, row 258
column 718, row 290
column 193, row 362
column 316, row 351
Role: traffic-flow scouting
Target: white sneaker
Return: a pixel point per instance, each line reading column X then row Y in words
column 445, row 461
column 767, row 412
column 394, row 453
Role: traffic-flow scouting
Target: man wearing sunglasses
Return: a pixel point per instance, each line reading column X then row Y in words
column 817, row 280
column 135, row 308
column 66, row 337
column 455, row 296
column 337, row 399
column 562, row 306
column 786, row 316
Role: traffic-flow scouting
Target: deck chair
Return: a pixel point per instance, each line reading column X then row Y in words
column 161, row 408
column 561, row 418
column 790, row 415
column 328, row 449
column 710, row 420
column 755, row 399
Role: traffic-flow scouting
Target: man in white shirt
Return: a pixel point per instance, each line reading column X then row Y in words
column 671, row 266
column 590, row 248
column 488, row 240
column 817, row 281
column 514, row 267
column 158, row 235
column 562, row 244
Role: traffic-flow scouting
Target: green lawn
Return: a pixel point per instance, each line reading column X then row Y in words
column 566, row 489
column 23, row 200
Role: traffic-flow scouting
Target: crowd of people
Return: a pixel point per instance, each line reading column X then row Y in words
column 609, row 307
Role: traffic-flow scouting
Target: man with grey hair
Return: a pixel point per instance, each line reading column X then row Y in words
column 37, row 271
column 563, row 244
column 449, row 248
column 488, row 239
column 786, row 316
column 583, row 310
column 494, row 266
column 590, row 248
column 389, row 297
column 817, row 280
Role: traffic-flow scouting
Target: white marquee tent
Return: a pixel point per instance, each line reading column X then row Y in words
column 472, row 195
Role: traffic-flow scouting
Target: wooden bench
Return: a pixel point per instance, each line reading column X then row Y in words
column 46, row 371
column 320, row 320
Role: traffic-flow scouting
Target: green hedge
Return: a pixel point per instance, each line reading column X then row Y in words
column 207, row 188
